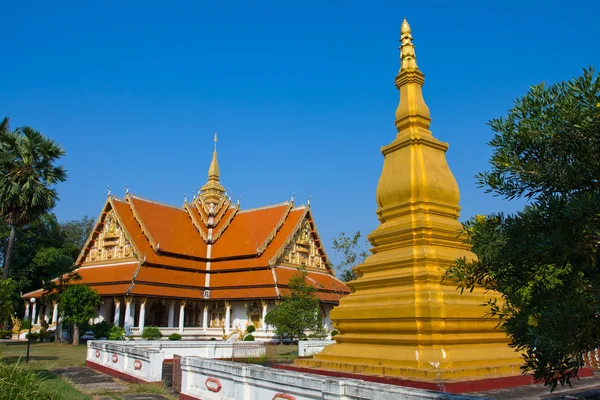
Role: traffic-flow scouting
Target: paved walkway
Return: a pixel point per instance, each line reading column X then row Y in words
column 586, row 388
column 89, row 381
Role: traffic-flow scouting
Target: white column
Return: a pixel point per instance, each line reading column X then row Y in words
column 26, row 310
column 33, row 313
column 128, row 318
column 181, row 316
column 46, row 316
column 55, row 313
column 171, row 319
column 117, row 312
column 227, row 316
column 142, row 315
column 265, row 304
column 205, row 316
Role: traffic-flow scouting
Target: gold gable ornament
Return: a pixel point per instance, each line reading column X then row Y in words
column 111, row 243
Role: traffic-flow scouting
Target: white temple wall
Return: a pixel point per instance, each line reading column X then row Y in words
column 239, row 319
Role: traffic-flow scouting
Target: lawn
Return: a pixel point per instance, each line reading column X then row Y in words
column 46, row 357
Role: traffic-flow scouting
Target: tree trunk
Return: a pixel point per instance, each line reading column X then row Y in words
column 58, row 331
column 9, row 251
column 75, row 335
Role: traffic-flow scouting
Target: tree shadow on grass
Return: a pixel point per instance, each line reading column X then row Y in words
column 21, row 359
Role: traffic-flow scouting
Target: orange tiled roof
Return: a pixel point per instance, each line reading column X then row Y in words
column 247, row 231
column 182, row 252
column 170, row 228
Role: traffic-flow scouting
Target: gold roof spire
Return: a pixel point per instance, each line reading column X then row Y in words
column 412, row 114
column 212, row 190
column 213, row 170
column 407, row 49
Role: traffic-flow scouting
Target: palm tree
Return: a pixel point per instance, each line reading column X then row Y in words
column 28, row 177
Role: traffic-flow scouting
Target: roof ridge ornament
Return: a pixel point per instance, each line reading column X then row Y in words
column 108, row 191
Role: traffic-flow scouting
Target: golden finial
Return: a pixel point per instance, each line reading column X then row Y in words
column 213, row 190
column 213, row 170
column 408, row 59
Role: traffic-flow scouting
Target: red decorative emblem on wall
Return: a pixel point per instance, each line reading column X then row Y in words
column 137, row 365
column 281, row 396
column 213, row 384
column 114, row 358
column 97, row 353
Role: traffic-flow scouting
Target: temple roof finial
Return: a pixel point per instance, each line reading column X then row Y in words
column 213, row 170
column 213, row 190
column 408, row 59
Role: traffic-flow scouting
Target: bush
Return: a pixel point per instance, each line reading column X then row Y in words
column 334, row 332
column 174, row 336
column 101, row 329
column 151, row 333
column 5, row 334
column 212, row 339
column 25, row 324
column 249, row 338
column 116, row 333
column 43, row 334
column 20, row 384
column 33, row 335
column 250, row 328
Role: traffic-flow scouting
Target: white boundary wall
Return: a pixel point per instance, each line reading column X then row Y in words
column 141, row 363
column 143, row 359
column 222, row 380
column 308, row 348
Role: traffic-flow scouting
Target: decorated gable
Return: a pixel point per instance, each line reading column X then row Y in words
column 109, row 241
column 305, row 248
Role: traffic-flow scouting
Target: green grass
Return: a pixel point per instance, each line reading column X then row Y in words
column 45, row 357
column 59, row 385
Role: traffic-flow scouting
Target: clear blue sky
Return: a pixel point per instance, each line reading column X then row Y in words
column 301, row 93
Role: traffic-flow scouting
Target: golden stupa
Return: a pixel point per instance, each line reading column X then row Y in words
column 402, row 319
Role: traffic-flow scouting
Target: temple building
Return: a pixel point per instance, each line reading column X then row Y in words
column 206, row 269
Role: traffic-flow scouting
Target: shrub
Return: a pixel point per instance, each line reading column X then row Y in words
column 250, row 328
column 249, row 338
column 151, row 333
column 33, row 335
column 43, row 334
column 174, row 336
column 101, row 329
column 25, row 324
column 334, row 332
column 116, row 333
column 212, row 339
column 5, row 334
column 19, row 384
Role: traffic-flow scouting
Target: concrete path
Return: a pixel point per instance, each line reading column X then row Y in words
column 89, row 381
column 586, row 388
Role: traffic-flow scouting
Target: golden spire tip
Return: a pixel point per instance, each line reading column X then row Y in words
column 405, row 28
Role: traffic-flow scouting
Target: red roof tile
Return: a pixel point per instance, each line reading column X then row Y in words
column 170, row 227
column 247, row 231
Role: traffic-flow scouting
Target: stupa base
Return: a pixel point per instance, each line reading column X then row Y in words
column 467, row 385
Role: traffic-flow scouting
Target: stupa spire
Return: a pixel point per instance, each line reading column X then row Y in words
column 412, row 112
column 212, row 191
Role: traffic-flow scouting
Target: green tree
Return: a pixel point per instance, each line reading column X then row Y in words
column 7, row 300
column 353, row 251
column 544, row 260
column 299, row 310
column 76, row 232
column 78, row 305
column 29, row 174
